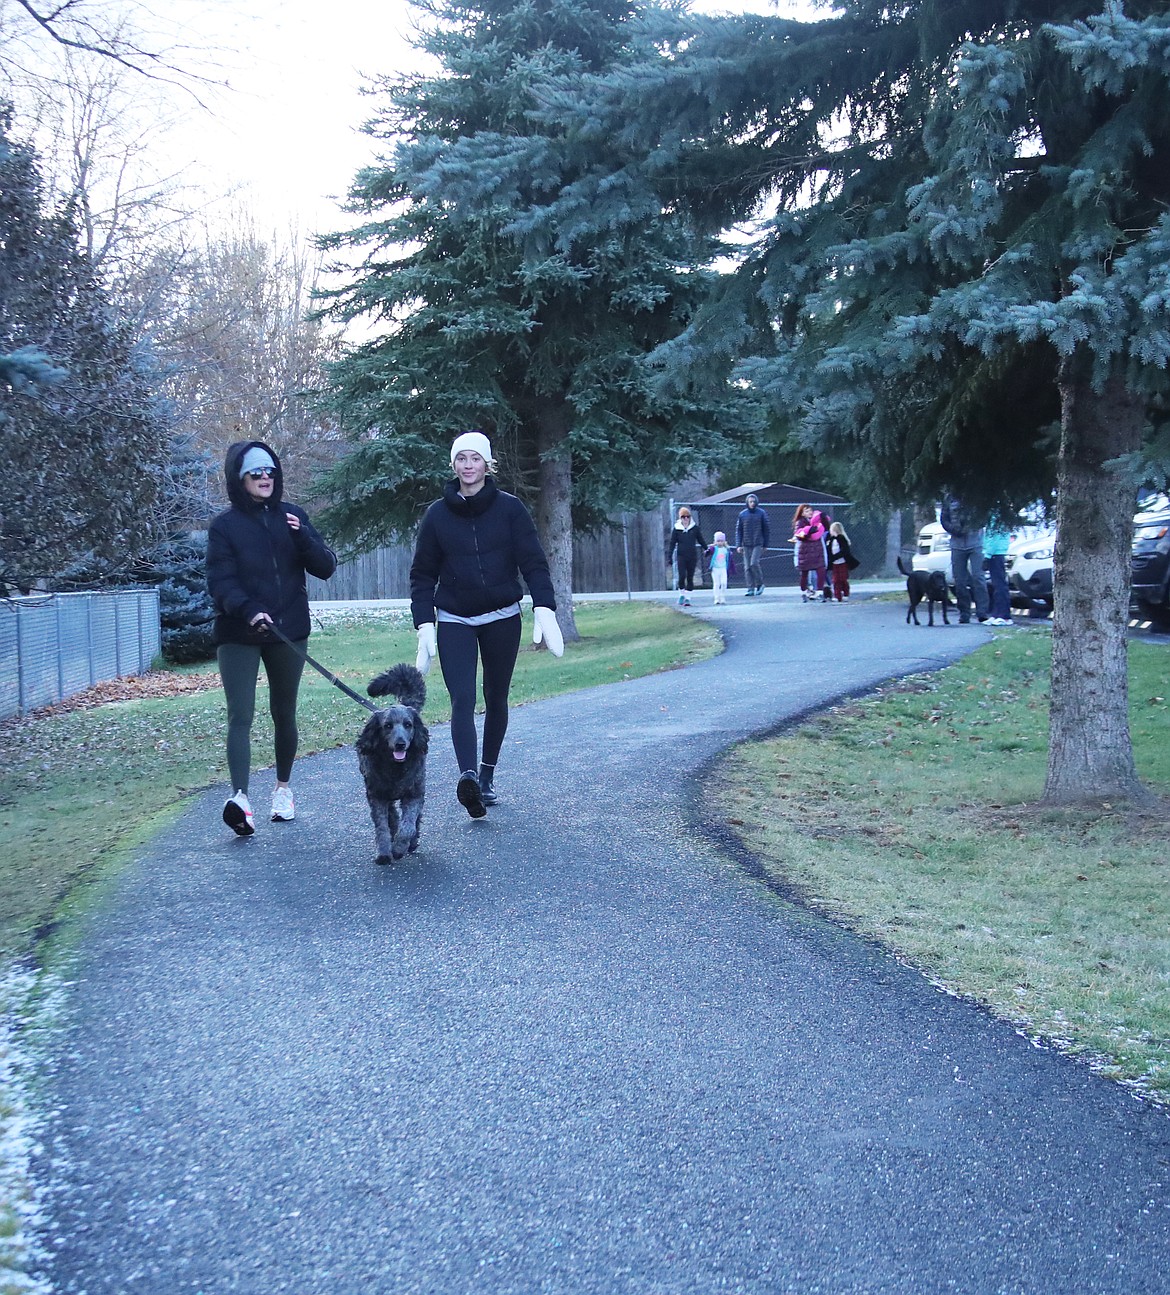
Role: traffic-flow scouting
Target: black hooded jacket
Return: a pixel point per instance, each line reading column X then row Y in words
column 471, row 552
column 256, row 562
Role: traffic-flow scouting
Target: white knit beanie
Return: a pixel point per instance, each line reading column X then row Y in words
column 255, row 457
column 475, row 441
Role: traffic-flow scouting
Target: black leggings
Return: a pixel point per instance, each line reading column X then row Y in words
column 239, row 666
column 460, row 648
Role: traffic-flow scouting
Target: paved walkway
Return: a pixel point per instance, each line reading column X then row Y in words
column 571, row 1048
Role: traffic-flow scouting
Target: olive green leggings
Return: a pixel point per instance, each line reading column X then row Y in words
column 239, row 666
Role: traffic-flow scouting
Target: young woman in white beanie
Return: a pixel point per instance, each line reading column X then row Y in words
column 473, row 546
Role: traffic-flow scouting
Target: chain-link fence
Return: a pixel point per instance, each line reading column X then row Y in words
column 54, row 645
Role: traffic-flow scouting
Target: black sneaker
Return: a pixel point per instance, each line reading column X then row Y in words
column 470, row 796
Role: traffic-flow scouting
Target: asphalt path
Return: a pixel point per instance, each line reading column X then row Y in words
column 571, row 1048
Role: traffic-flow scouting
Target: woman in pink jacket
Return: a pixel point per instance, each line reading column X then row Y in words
column 808, row 534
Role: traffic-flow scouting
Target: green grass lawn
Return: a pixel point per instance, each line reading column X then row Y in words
column 80, row 789
column 910, row 816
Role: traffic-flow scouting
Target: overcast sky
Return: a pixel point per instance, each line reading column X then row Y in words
column 286, row 136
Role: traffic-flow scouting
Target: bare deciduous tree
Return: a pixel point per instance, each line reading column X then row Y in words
column 232, row 321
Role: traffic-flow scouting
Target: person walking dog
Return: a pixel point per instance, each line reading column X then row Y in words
column 258, row 552
column 473, row 546
column 966, row 532
column 752, row 539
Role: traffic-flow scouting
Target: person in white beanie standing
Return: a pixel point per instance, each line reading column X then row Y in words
column 473, row 546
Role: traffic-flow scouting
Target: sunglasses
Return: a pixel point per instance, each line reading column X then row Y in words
column 257, row 473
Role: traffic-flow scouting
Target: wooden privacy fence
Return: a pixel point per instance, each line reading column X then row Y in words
column 636, row 543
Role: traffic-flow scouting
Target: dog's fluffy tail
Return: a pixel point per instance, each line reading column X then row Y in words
column 401, row 681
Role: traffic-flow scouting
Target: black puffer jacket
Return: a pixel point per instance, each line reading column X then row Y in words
column 256, row 562
column 471, row 552
column 688, row 540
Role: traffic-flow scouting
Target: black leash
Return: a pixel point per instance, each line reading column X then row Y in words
column 333, row 679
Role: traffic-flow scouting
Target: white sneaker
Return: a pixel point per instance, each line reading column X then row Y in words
column 237, row 814
column 283, row 810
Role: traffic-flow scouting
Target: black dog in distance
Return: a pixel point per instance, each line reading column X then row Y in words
column 392, row 753
column 928, row 585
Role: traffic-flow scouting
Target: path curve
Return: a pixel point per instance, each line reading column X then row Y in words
column 570, row 1049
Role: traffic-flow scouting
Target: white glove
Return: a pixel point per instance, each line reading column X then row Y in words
column 427, row 647
column 546, row 628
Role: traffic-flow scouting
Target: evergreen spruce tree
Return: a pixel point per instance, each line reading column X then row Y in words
column 493, row 315
column 178, row 568
column 967, row 278
column 86, row 441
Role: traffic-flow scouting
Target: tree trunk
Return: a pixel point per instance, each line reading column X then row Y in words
column 554, row 511
column 893, row 543
column 1090, row 754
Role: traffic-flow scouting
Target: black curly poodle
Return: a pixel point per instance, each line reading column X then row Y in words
column 392, row 753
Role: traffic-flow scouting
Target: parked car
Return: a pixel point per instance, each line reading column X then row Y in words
column 1029, row 569
column 933, row 552
column 1150, row 560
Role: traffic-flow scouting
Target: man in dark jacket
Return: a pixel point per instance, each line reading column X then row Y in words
column 258, row 552
column 751, row 539
column 966, row 532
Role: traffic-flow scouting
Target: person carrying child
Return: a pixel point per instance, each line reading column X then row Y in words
column 808, row 533
column 721, row 565
column 841, row 561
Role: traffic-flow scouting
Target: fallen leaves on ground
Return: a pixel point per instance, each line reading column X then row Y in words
column 155, row 683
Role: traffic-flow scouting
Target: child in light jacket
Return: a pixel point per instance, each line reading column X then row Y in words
column 722, row 565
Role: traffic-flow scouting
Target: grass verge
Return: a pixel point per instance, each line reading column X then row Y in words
column 81, row 788
column 910, row 816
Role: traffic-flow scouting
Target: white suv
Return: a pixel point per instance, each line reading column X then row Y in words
column 934, row 550
column 1029, row 569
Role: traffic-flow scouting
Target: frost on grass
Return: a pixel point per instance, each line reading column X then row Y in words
column 22, row 997
column 344, row 616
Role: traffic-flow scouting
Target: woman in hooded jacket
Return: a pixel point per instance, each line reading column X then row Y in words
column 258, row 552
column 808, row 535
column 473, row 546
